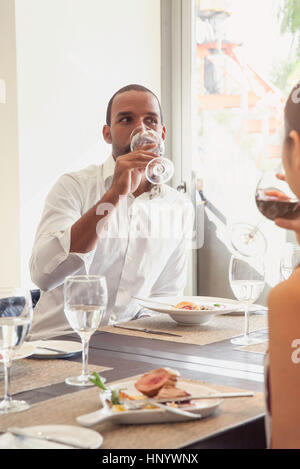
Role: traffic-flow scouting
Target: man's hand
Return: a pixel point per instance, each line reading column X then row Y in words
column 130, row 168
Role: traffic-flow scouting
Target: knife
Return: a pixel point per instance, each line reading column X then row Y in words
column 192, row 397
column 51, row 349
column 20, row 432
column 148, row 331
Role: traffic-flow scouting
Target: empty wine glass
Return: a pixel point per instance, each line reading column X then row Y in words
column 247, row 281
column 15, row 321
column 159, row 170
column 85, row 301
column 290, row 259
column 247, row 239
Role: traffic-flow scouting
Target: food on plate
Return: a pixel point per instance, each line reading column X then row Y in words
column 150, row 383
column 160, row 383
column 157, row 384
column 189, row 305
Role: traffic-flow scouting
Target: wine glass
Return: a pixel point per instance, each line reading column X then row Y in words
column 274, row 199
column 159, row 170
column 85, row 301
column 15, row 320
column 247, row 281
column 290, row 259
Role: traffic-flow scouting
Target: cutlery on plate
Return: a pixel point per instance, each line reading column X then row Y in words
column 152, row 301
column 51, row 349
column 23, row 433
column 99, row 416
column 144, row 329
column 172, row 410
column 154, row 401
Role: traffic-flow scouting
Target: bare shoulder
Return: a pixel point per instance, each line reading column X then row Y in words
column 286, row 294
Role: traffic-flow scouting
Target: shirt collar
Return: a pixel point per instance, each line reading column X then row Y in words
column 108, row 169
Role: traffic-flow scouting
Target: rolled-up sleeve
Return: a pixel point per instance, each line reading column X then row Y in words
column 51, row 260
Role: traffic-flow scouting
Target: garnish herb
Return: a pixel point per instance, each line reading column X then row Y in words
column 98, row 382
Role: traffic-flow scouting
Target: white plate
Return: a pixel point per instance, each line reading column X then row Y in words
column 258, row 309
column 70, row 434
column 24, row 351
column 142, row 416
column 187, row 317
column 67, row 347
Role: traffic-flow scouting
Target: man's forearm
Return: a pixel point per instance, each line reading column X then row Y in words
column 85, row 231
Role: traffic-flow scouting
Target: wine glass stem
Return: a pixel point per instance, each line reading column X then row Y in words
column 85, row 354
column 7, row 396
column 246, row 332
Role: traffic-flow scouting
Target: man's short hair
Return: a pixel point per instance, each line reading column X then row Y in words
column 132, row 87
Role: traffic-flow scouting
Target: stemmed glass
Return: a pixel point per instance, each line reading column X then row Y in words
column 290, row 259
column 85, row 301
column 159, row 170
column 247, row 281
column 274, row 199
column 15, row 320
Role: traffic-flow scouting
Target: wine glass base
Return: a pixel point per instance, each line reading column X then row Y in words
column 10, row 406
column 247, row 340
column 82, row 380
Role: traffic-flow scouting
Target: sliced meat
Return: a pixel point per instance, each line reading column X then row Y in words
column 171, row 393
column 150, row 383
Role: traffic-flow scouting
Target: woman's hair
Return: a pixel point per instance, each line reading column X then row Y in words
column 292, row 111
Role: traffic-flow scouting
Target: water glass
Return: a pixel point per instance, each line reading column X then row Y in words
column 85, row 302
column 247, row 281
column 15, row 320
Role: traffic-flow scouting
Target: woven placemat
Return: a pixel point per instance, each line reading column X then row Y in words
column 255, row 348
column 29, row 373
column 65, row 409
column 221, row 327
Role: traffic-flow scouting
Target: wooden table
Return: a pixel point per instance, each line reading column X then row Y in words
column 216, row 363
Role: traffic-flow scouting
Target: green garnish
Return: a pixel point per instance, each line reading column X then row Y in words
column 115, row 398
column 217, row 304
column 98, row 382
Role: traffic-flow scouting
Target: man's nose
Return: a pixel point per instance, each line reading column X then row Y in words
column 141, row 125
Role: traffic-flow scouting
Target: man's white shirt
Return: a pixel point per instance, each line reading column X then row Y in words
column 142, row 251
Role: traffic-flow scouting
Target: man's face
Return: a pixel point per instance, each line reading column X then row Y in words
column 130, row 110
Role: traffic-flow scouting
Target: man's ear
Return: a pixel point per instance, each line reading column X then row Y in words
column 106, row 134
column 163, row 133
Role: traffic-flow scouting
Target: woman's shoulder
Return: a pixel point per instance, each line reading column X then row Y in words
column 286, row 293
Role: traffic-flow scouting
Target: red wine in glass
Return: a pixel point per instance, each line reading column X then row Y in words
column 275, row 204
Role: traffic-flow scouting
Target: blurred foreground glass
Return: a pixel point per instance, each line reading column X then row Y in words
column 247, row 281
column 159, row 170
column 85, row 301
column 290, row 260
column 15, row 320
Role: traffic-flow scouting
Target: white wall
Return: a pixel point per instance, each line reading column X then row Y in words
column 72, row 55
column 9, row 165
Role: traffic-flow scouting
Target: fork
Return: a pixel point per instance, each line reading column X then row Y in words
column 173, row 410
